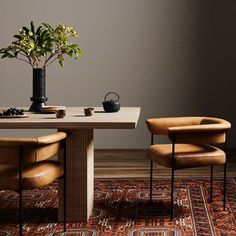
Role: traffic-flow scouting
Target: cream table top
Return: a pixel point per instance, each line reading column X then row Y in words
column 126, row 118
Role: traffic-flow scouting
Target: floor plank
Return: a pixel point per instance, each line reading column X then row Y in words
column 134, row 164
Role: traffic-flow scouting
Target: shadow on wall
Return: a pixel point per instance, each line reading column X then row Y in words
column 213, row 91
column 202, row 81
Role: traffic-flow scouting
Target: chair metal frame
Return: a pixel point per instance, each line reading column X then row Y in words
column 173, row 172
column 21, row 157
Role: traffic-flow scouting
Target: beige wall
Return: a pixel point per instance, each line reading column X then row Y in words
column 171, row 57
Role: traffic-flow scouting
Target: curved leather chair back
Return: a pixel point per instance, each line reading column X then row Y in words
column 198, row 130
column 34, row 149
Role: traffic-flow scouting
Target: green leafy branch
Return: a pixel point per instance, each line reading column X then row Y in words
column 42, row 46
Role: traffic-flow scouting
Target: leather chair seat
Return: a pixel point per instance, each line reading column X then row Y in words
column 186, row 155
column 34, row 175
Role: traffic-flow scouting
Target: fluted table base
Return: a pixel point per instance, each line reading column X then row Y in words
column 80, row 176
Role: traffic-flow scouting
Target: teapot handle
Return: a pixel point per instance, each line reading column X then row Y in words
column 111, row 93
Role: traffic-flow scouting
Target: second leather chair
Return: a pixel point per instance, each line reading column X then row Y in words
column 192, row 139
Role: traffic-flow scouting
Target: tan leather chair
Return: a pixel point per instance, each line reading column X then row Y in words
column 24, row 165
column 192, row 146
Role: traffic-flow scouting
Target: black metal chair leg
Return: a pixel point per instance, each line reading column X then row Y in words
column 65, row 188
column 225, row 165
column 211, row 188
column 172, row 179
column 172, row 195
column 150, row 180
column 20, row 192
column 20, row 213
column 224, row 194
column 151, row 173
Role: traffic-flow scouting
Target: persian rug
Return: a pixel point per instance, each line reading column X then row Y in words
column 122, row 208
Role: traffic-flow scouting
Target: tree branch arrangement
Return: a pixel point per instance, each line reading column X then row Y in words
column 42, row 46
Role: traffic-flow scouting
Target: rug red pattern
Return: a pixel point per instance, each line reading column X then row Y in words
column 122, row 208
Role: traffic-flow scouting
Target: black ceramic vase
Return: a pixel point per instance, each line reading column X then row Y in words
column 39, row 90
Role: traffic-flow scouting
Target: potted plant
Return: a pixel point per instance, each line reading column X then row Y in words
column 39, row 48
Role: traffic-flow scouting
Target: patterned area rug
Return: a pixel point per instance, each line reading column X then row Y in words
column 122, row 208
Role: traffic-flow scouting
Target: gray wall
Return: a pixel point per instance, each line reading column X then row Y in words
column 171, row 57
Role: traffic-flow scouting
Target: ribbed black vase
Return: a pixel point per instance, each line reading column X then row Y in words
column 39, row 90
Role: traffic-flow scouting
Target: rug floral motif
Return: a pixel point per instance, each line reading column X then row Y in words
column 122, row 208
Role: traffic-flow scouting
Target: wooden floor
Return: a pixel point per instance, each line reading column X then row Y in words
column 135, row 164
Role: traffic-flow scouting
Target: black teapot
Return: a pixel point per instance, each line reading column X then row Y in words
column 111, row 105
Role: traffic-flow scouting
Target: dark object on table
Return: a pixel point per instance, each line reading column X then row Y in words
column 111, row 105
column 12, row 112
column 60, row 113
column 88, row 111
column 39, row 94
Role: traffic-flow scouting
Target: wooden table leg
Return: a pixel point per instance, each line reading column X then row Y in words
column 80, row 176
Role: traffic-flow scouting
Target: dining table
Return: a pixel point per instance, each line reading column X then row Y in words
column 79, row 150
